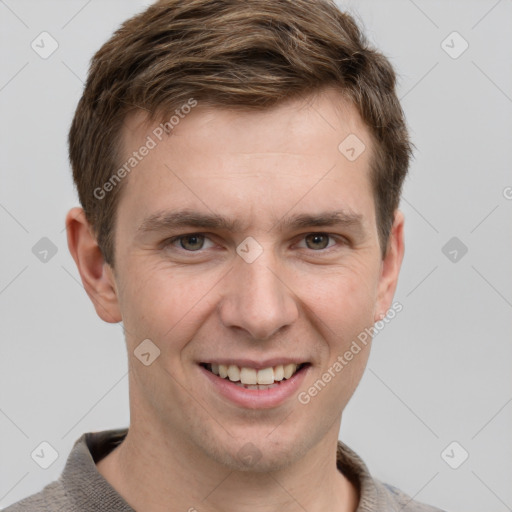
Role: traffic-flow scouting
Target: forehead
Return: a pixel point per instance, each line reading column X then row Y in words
column 323, row 111
column 291, row 124
column 313, row 146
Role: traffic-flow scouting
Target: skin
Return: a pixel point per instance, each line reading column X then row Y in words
column 297, row 298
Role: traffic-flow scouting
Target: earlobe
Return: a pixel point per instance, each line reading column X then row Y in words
column 390, row 269
column 96, row 274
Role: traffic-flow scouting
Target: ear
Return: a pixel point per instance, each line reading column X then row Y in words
column 97, row 275
column 390, row 267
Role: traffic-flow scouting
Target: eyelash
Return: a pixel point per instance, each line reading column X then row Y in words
column 341, row 241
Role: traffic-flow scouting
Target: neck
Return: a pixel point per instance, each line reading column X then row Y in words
column 151, row 472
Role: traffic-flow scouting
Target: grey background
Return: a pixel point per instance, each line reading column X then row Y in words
column 439, row 372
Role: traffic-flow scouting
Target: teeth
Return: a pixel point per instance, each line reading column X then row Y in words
column 223, row 371
column 252, row 377
column 233, row 373
column 249, row 376
column 265, row 376
column 289, row 370
column 279, row 372
column 256, row 386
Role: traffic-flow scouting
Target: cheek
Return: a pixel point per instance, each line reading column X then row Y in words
column 160, row 304
column 342, row 309
column 343, row 301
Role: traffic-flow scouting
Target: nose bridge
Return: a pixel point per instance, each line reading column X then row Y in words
column 256, row 300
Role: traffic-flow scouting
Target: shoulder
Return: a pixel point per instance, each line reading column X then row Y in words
column 51, row 498
column 399, row 500
column 374, row 494
column 80, row 486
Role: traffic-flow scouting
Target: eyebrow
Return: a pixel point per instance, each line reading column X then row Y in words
column 167, row 220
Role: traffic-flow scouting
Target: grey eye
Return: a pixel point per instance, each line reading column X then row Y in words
column 317, row 241
column 192, row 242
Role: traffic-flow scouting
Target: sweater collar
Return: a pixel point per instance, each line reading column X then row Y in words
column 85, row 484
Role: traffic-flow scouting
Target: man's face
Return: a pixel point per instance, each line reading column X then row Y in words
column 306, row 296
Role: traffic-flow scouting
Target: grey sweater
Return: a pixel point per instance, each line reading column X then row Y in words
column 81, row 488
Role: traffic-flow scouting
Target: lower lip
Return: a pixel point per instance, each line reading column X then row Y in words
column 257, row 398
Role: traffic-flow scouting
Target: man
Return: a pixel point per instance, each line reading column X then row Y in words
column 239, row 166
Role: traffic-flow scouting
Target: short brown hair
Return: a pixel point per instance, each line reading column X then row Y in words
column 237, row 54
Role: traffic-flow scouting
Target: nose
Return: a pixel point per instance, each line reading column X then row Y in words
column 256, row 300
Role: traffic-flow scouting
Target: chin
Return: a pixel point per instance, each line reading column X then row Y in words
column 257, row 454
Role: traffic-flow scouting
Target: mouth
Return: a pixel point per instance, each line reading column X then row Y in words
column 256, row 379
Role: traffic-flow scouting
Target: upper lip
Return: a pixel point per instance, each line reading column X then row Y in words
column 258, row 365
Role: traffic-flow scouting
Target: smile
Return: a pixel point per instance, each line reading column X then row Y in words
column 252, row 378
column 252, row 385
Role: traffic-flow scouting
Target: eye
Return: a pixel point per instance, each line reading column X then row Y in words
column 192, row 242
column 195, row 242
column 318, row 241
